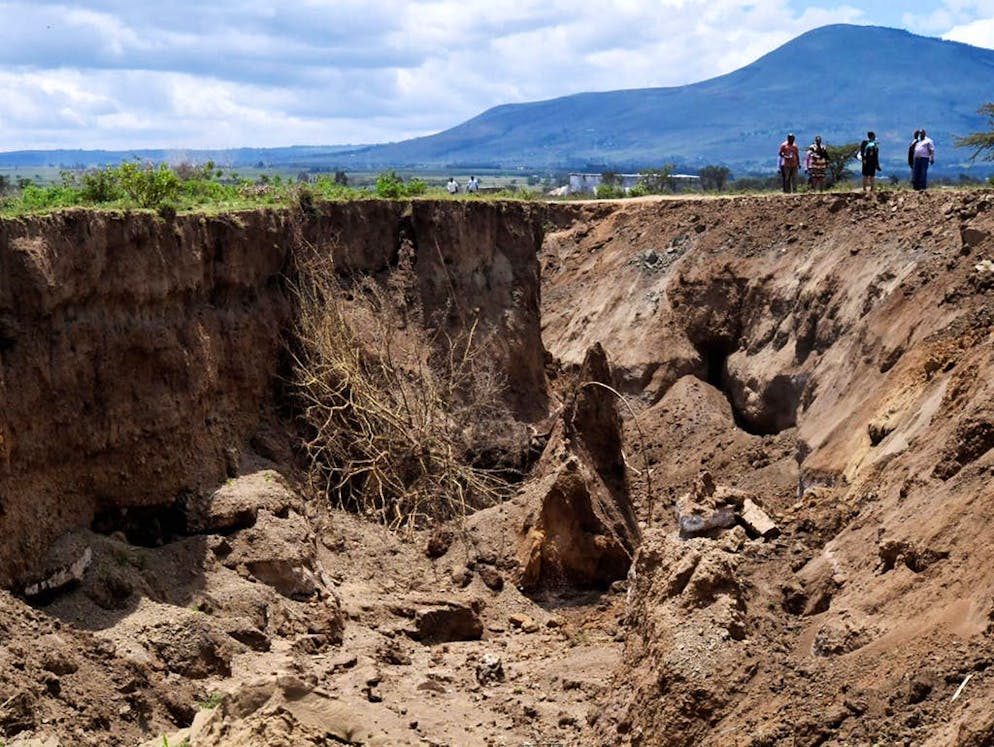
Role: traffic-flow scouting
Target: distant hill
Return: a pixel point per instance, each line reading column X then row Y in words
column 303, row 156
column 837, row 81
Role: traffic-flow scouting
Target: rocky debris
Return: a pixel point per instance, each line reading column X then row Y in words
column 524, row 623
column 286, row 711
column 64, row 565
column 580, row 529
column 279, row 553
column 707, row 510
column 442, row 621
column 489, row 669
column 236, row 504
column 190, row 644
column 841, row 637
column 757, row 521
column 913, row 556
column 973, row 438
column 439, row 542
column 491, row 577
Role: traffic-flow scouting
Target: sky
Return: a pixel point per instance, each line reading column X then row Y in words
column 128, row 74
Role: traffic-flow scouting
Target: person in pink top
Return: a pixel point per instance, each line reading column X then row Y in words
column 924, row 157
column 790, row 160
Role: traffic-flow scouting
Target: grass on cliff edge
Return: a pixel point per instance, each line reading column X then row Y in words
column 186, row 187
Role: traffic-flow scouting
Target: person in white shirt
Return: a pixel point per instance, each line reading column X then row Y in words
column 472, row 186
column 924, row 157
column 452, row 187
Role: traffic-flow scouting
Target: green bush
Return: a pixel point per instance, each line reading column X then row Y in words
column 389, row 185
column 608, row 192
column 100, row 185
column 34, row 197
column 392, row 186
column 146, row 184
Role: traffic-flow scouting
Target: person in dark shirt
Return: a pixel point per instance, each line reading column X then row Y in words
column 869, row 154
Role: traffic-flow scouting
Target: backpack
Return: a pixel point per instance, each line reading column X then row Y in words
column 870, row 152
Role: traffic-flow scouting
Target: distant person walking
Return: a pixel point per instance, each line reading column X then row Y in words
column 924, row 157
column 789, row 159
column 472, row 186
column 452, row 186
column 816, row 164
column 869, row 154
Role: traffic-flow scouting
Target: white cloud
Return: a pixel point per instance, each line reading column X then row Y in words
column 219, row 73
column 978, row 33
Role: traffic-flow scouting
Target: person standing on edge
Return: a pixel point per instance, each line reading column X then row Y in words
column 790, row 159
column 911, row 150
column 816, row 163
column 452, row 186
column 472, row 186
column 869, row 154
column 924, row 156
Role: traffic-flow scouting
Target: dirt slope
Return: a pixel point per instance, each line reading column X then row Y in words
column 823, row 360
column 829, row 356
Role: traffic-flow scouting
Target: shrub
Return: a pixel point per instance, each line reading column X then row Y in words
column 393, row 415
column 389, row 185
column 34, row 197
column 146, row 184
column 608, row 192
column 100, row 185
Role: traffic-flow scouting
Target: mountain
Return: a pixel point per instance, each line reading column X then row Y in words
column 837, row 81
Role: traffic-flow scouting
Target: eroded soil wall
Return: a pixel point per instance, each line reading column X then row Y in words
column 139, row 357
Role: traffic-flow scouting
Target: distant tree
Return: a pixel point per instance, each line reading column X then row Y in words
column 657, row 181
column 5, row 184
column 981, row 141
column 714, row 177
column 839, row 157
column 341, row 178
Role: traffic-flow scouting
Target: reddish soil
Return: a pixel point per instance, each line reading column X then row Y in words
column 822, row 360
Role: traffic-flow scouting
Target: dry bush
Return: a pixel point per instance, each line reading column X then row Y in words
column 395, row 411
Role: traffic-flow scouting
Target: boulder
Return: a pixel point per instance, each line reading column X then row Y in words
column 447, row 621
column 236, row 504
column 64, row 565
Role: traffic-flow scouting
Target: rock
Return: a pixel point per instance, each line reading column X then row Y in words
column 446, row 621
column 279, row 553
column 243, row 631
column 439, row 542
column 490, row 669
column 757, row 521
column 523, row 622
column 236, row 504
column 491, row 577
column 702, row 511
column 65, row 563
column 696, row 521
column 191, row 645
column 392, row 652
column 462, row 577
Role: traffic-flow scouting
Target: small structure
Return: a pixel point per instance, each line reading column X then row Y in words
column 580, row 183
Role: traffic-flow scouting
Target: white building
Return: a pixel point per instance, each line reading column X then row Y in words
column 580, row 183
